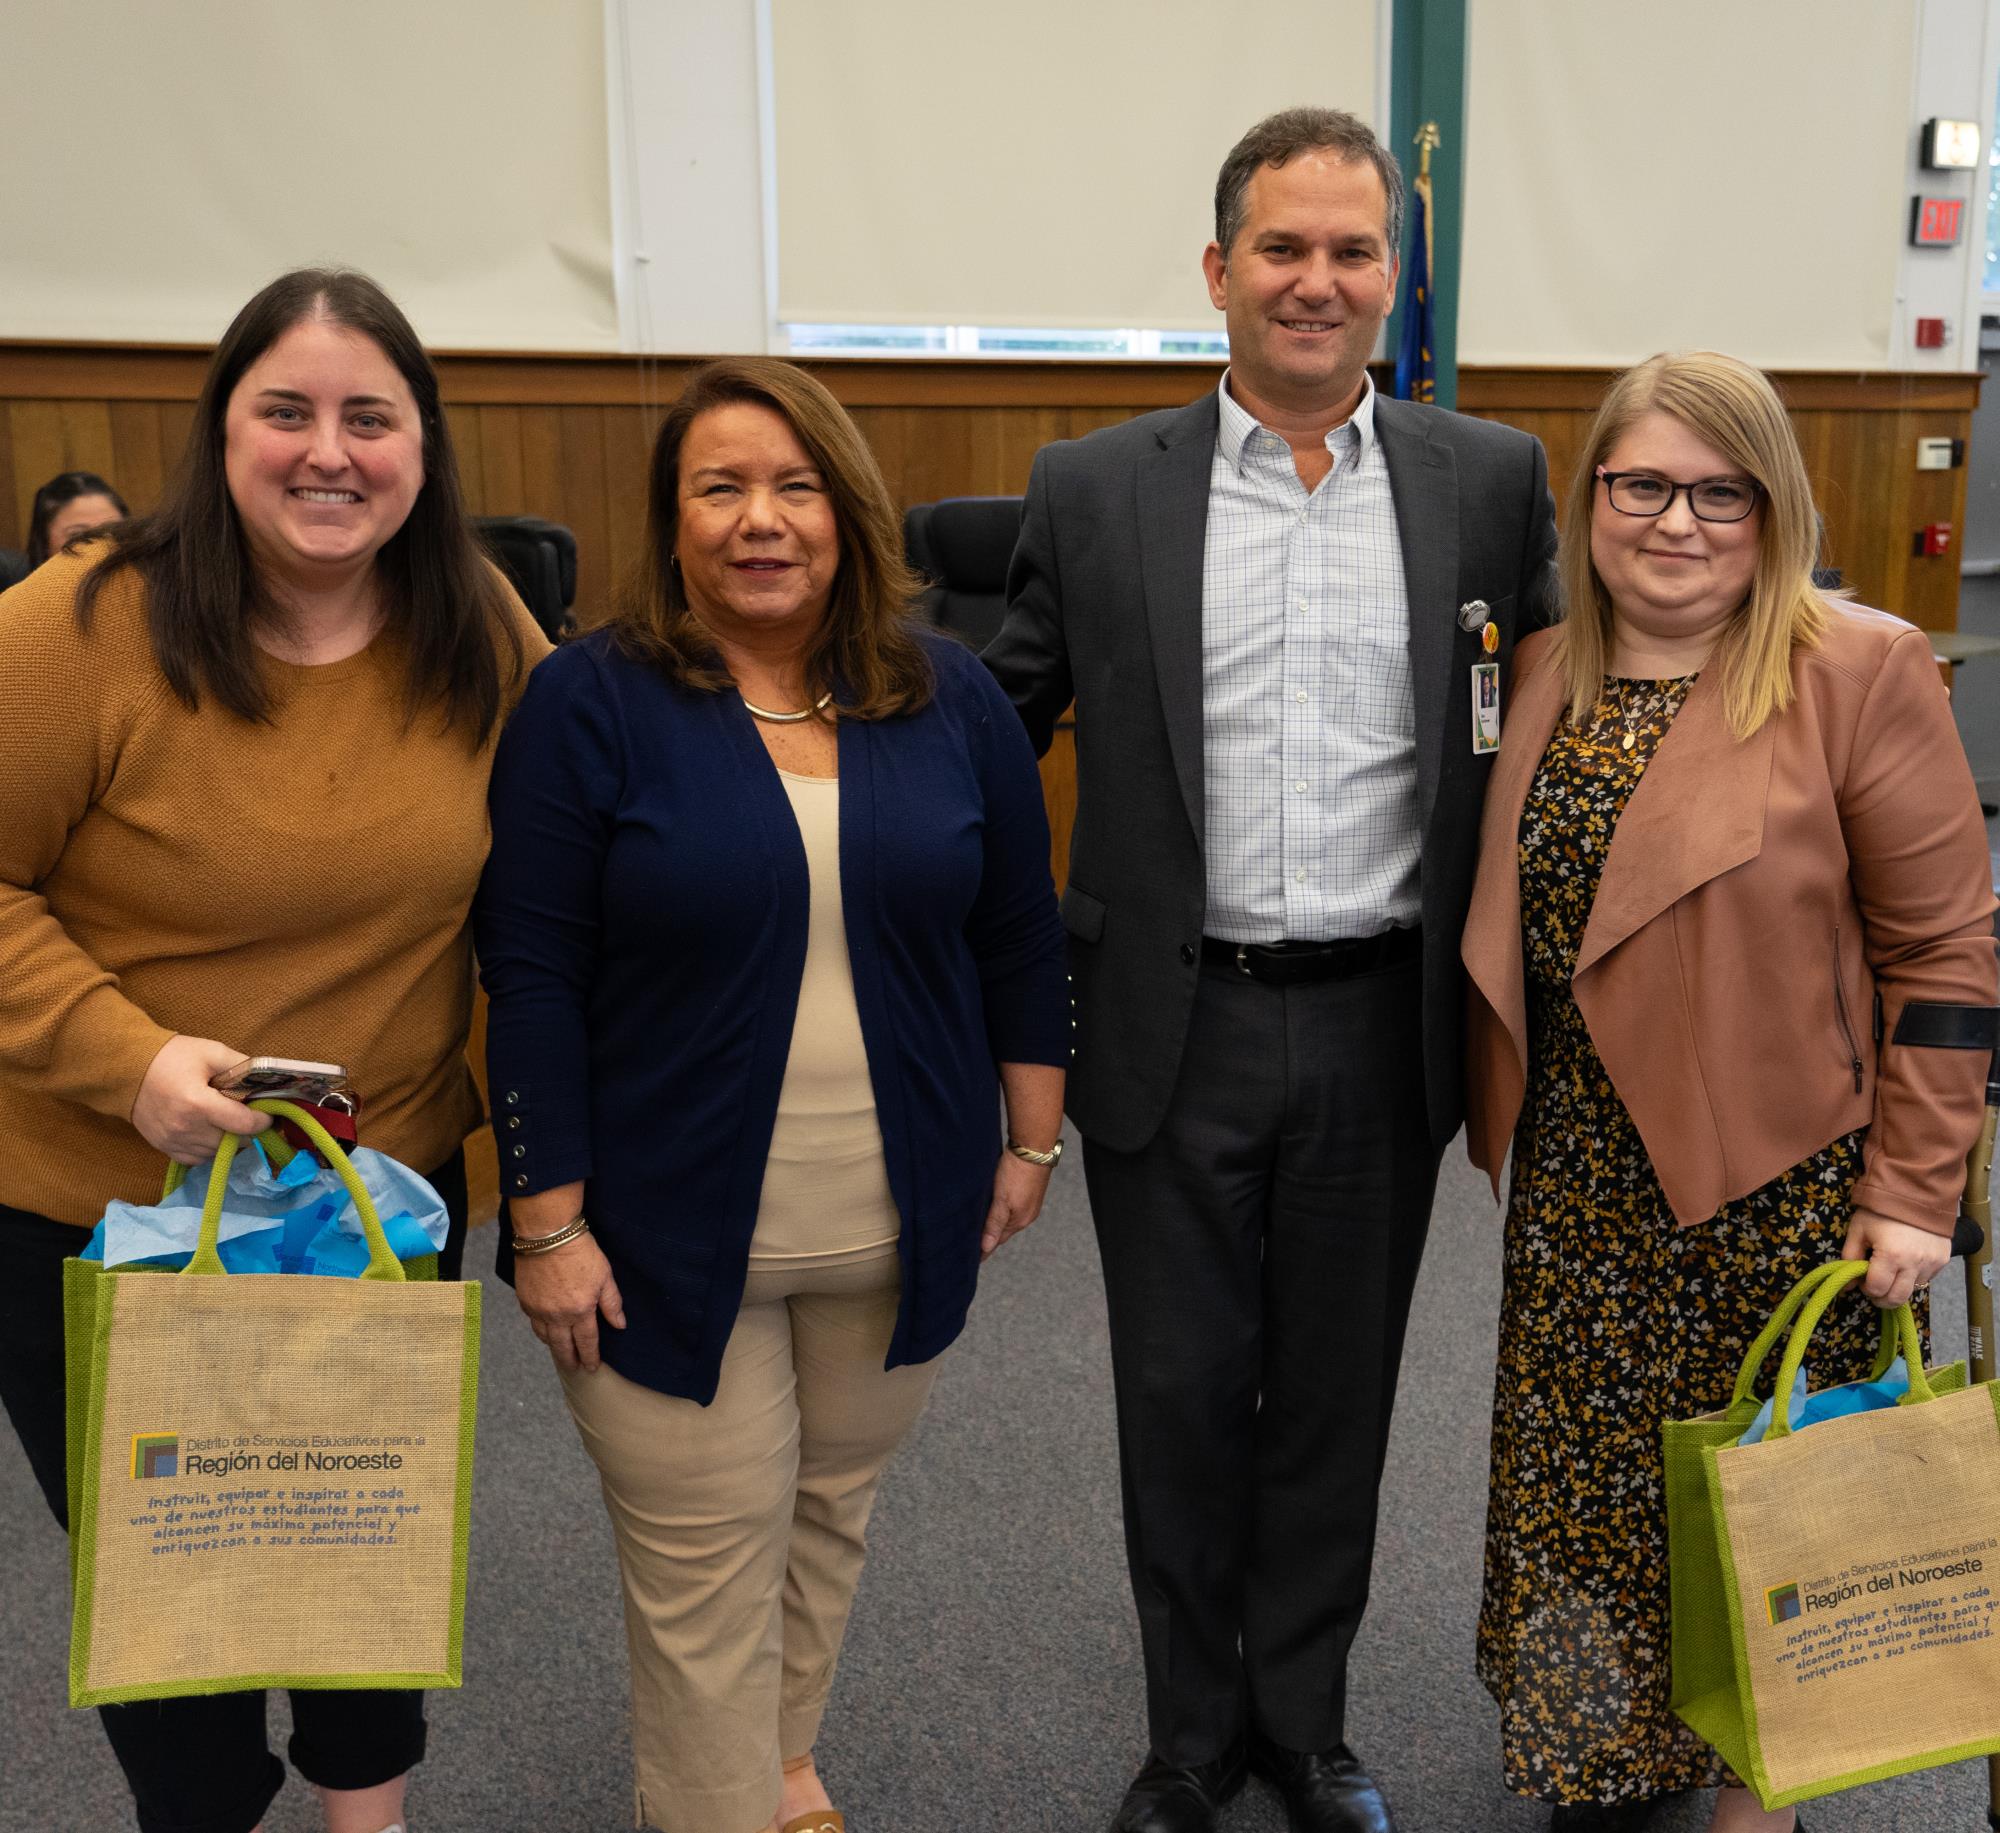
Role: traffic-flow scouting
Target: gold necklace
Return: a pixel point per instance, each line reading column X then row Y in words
column 1630, row 716
column 785, row 719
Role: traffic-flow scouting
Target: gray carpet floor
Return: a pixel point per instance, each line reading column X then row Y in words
column 991, row 1682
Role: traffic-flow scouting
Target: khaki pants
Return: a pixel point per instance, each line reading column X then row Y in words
column 740, row 1532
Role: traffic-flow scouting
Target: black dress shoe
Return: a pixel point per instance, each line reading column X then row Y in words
column 1325, row 1791
column 1179, row 1797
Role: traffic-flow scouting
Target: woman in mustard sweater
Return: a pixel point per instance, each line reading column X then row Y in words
column 243, row 753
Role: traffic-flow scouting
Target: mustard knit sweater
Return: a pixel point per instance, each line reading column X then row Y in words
column 297, row 888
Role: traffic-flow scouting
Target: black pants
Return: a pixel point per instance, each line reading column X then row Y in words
column 200, row 1764
column 1259, row 1255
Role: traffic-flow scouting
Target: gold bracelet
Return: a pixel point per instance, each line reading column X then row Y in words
column 544, row 1244
column 1044, row 1159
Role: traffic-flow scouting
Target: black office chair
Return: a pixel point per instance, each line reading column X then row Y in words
column 1825, row 578
column 962, row 546
column 14, row 567
column 540, row 559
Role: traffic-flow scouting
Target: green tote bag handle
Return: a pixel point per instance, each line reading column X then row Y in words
column 1841, row 1271
column 382, row 1262
column 1904, row 1321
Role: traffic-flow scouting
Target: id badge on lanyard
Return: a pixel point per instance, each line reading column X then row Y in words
column 1486, row 695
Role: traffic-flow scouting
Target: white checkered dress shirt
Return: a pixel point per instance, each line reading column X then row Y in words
column 1307, row 721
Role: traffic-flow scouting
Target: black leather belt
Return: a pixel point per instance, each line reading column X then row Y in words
column 1292, row 963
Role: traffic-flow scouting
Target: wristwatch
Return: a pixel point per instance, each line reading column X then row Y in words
column 1047, row 1160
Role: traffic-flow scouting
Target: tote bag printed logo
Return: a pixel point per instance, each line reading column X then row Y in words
column 1782, row 1603
column 156, row 1455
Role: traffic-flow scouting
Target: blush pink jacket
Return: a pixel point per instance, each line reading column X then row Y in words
column 1767, row 908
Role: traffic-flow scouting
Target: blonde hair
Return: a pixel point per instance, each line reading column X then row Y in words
column 1731, row 406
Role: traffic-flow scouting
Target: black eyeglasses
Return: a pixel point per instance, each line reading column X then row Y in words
column 1713, row 499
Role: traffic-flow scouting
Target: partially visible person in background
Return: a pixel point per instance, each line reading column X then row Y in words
column 70, row 504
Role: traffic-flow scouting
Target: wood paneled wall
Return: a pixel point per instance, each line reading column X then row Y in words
column 568, row 438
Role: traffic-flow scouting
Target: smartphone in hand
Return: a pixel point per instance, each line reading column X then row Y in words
column 283, row 1079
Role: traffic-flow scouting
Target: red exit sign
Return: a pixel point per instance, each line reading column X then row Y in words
column 1936, row 221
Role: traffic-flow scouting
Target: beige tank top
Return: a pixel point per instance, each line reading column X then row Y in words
column 826, row 1185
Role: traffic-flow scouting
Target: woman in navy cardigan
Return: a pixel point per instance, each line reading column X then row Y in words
column 769, row 938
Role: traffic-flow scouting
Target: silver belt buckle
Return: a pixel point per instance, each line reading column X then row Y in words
column 1243, row 960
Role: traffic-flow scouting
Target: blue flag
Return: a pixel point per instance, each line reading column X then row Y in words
column 1416, row 376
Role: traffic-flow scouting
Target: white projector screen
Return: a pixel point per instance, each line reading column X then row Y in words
column 164, row 160
column 1043, row 163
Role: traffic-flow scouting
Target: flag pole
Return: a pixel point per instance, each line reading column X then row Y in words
column 1428, row 141
column 1415, row 372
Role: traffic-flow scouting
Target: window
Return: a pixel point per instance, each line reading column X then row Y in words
column 1991, row 280
column 1001, row 340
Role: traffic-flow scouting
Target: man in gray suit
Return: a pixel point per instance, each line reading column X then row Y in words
column 1271, row 608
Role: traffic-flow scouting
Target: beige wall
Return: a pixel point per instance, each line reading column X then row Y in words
column 1727, row 173
column 164, row 158
column 1046, row 162
column 1737, row 174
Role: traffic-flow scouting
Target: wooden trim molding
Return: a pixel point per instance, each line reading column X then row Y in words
column 159, row 372
column 1546, row 389
column 173, row 372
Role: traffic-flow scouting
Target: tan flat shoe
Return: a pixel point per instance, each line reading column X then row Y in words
column 826, row 1820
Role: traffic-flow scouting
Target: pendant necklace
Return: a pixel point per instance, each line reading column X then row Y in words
column 1628, row 718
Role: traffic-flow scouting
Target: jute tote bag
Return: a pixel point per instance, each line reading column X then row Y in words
column 270, row 1474
column 1835, row 1614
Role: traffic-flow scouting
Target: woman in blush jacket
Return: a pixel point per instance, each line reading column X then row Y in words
column 769, row 935
column 1730, row 824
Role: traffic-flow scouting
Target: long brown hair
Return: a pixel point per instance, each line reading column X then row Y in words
column 864, row 651
column 440, row 596
column 1728, row 405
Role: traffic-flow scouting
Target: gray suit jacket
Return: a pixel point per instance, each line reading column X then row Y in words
column 1105, row 607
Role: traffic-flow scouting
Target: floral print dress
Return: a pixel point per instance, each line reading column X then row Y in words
column 1613, row 1318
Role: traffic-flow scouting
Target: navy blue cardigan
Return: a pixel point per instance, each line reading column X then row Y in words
column 641, row 929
